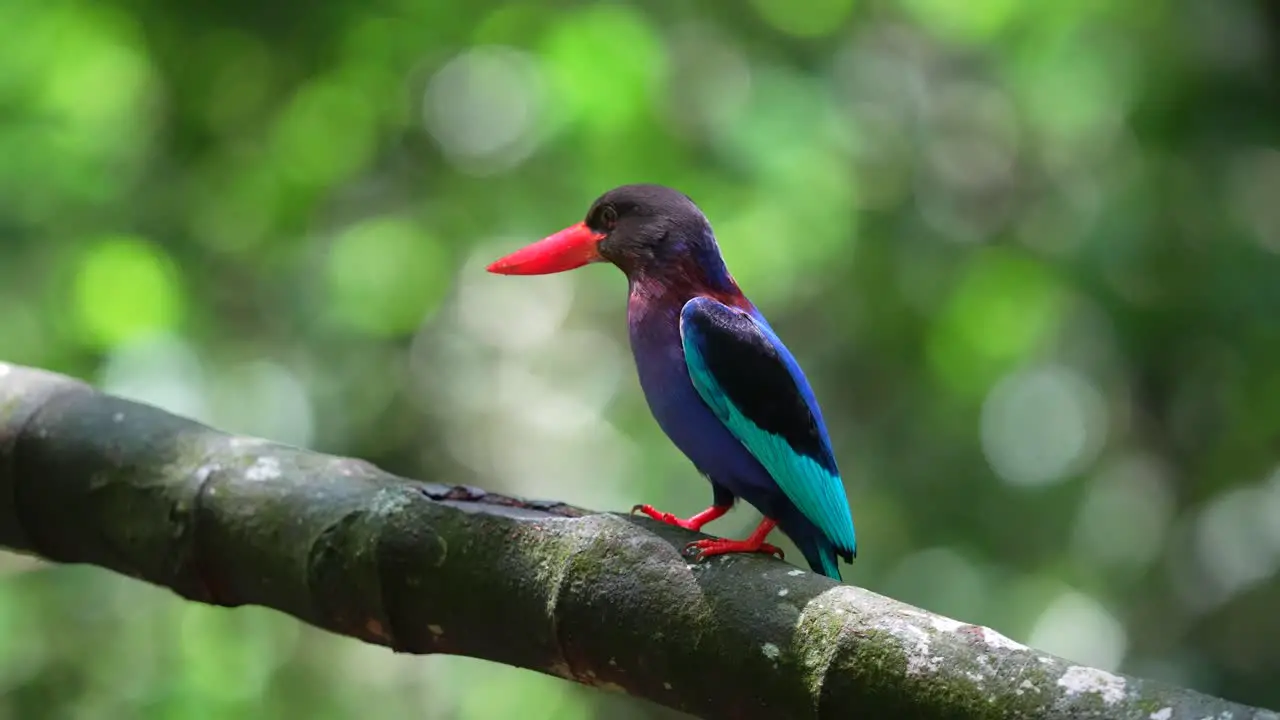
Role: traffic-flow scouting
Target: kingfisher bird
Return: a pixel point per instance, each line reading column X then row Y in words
column 717, row 378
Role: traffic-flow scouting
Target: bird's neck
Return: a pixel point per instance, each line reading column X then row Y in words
column 653, row 319
column 659, row 298
column 674, row 289
column 702, row 263
column 695, row 267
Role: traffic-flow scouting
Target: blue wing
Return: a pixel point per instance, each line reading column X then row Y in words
column 753, row 384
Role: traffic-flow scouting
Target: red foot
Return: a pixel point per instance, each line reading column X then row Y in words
column 720, row 546
column 753, row 544
column 694, row 523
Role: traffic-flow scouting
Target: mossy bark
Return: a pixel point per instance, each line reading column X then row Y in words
column 601, row 599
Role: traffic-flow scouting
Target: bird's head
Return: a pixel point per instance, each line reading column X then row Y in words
column 642, row 229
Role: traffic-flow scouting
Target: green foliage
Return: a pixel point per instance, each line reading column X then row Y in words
column 1026, row 252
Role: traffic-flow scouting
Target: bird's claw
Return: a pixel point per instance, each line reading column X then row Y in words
column 664, row 517
column 647, row 510
column 704, row 549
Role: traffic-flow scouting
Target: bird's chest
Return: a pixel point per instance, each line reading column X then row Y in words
column 664, row 377
column 679, row 409
column 659, row 356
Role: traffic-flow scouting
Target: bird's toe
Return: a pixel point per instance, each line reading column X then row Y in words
column 708, row 548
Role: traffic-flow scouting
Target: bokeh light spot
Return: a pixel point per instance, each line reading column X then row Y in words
column 1040, row 425
column 974, row 134
column 609, row 48
column 948, row 582
column 482, row 104
column 1078, row 628
column 125, row 286
column 325, row 134
column 1126, row 515
column 805, row 18
column 708, row 83
column 263, row 399
column 1003, row 308
column 160, row 370
column 1075, row 90
column 76, row 87
column 385, row 274
column 1232, row 543
column 974, row 21
column 511, row 313
column 96, row 83
column 1255, row 185
column 1271, row 511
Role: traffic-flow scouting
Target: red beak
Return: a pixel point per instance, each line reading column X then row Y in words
column 570, row 248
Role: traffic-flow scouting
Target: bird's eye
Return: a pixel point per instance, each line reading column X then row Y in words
column 608, row 217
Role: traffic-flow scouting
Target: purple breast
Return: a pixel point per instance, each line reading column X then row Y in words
column 676, row 405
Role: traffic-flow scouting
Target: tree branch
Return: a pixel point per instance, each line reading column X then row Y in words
column 601, row 599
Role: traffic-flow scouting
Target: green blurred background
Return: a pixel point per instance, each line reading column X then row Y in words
column 1027, row 253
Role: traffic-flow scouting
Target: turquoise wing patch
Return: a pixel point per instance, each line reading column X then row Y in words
column 749, row 379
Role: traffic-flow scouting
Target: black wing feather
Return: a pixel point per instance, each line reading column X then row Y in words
column 748, row 367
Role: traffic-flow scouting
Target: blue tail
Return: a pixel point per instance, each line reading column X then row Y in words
column 818, row 551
